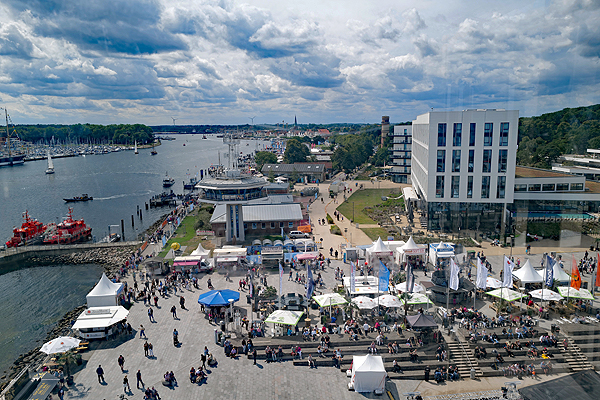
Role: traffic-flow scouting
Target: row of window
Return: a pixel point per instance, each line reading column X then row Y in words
column 455, row 187
column 488, row 134
column 263, row 225
column 486, row 165
column 547, row 187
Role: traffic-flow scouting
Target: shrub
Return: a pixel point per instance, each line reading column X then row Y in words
column 335, row 230
column 329, row 219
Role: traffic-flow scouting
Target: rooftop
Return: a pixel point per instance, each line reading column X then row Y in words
column 262, row 213
column 530, row 172
column 289, row 168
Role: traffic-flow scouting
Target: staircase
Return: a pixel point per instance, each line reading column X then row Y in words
column 575, row 358
column 423, row 222
column 460, row 355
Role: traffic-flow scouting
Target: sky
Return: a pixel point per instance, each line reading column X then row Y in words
column 324, row 61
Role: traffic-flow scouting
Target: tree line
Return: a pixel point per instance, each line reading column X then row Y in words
column 569, row 131
column 86, row 133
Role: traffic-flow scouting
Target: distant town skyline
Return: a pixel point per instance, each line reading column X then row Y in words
column 231, row 62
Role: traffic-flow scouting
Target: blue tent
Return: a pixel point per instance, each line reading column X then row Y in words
column 218, row 297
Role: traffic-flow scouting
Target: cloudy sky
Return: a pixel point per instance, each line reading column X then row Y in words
column 221, row 62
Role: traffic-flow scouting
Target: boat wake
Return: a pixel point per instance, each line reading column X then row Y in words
column 119, row 196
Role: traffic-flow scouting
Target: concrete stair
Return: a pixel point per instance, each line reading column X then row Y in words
column 462, row 356
column 576, row 359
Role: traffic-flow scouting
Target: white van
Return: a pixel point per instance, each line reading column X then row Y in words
column 298, row 235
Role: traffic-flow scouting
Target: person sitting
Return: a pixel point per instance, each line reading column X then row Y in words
column 353, row 335
column 373, row 348
column 413, row 355
column 200, row 375
column 438, row 375
column 320, row 351
column 499, row 359
column 192, row 375
column 396, row 367
column 531, row 370
column 293, row 352
column 311, row 362
column 233, row 352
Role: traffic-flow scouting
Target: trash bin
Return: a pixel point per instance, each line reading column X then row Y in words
column 472, row 373
column 222, row 324
column 216, row 336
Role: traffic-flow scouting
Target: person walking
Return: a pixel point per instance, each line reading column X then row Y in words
column 143, row 332
column 121, row 362
column 138, row 377
column 182, row 302
column 126, row 387
column 150, row 350
column 174, row 312
column 100, row 373
column 146, row 348
column 61, row 393
column 150, row 314
column 254, row 356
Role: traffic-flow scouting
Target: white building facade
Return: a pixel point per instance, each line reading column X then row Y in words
column 401, row 153
column 463, row 167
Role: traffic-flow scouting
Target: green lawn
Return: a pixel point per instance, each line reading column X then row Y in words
column 374, row 233
column 361, row 199
column 184, row 234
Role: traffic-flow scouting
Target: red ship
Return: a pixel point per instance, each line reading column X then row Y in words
column 30, row 232
column 68, row 231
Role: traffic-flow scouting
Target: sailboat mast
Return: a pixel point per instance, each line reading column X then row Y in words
column 7, row 137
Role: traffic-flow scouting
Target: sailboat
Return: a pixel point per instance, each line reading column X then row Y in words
column 135, row 151
column 153, row 152
column 50, row 169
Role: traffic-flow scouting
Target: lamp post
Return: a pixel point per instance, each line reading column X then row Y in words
column 352, row 212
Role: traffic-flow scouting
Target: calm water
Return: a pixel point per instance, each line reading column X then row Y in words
column 32, row 300
column 118, row 182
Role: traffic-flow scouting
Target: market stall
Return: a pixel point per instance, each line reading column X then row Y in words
column 99, row 322
column 440, row 253
column 105, row 293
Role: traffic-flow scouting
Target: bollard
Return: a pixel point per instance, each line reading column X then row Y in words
column 132, row 224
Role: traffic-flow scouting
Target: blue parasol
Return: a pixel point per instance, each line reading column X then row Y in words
column 218, row 297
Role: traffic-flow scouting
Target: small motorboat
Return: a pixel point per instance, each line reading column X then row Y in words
column 168, row 181
column 83, row 197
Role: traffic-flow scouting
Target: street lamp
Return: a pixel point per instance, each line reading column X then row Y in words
column 352, row 212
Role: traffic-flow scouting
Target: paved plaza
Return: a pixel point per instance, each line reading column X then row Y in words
column 239, row 379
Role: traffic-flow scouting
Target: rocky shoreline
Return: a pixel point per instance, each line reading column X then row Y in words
column 111, row 259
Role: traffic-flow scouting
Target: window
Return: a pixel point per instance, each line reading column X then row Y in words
column 263, row 226
column 441, row 161
column 548, row 187
column 281, row 224
column 485, row 187
column 472, row 135
column 487, row 161
column 562, row 186
column 501, row 187
column 254, row 226
column 504, row 134
column 439, row 187
column 441, row 134
column 245, row 225
column 471, row 160
column 536, row 187
column 456, row 137
column 502, row 160
column 521, row 188
column 455, row 186
column 470, row 187
column 455, row 160
column 272, row 225
column 576, row 186
column 290, row 225
column 488, row 133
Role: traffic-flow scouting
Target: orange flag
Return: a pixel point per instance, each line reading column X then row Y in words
column 598, row 271
column 575, row 277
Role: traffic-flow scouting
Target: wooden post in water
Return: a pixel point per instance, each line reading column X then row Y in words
column 146, row 206
column 132, row 223
column 122, row 230
column 141, row 214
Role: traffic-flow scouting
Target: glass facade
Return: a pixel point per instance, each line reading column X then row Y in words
column 441, row 134
column 469, row 187
column 456, row 137
column 471, row 160
column 439, row 187
column 488, row 134
column 487, row 161
column 504, row 134
column 501, row 187
column 441, row 161
column 502, row 160
column 472, row 134
column 485, row 187
column 455, row 187
column 455, row 160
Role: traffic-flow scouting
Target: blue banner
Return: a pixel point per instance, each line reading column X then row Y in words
column 384, row 277
column 549, row 271
column 310, row 285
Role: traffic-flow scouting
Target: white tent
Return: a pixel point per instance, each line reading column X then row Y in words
column 526, row 274
column 200, row 251
column 97, row 322
column 558, row 274
column 368, row 374
column 105, row 293
column 440, row 250
column 410, row 248
column 378, row 250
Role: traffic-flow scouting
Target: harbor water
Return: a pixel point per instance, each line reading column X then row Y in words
column 32, row 300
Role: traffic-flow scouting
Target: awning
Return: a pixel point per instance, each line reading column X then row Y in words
column 100, row 317
column 227, row 259
column 307, row 256
column 44, row 388
column 284, row 317
column 185, row 263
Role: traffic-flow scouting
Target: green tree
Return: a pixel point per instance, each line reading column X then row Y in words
column 264, row 157
column 295, row 151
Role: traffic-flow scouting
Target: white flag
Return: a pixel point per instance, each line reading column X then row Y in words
column 482, row 272
column 352, row 277
column 507, row 280
column 453, row 283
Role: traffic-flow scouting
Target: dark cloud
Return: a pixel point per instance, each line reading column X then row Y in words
column 14, row 44
column 314, row 71
column 118, row 26
column 425, row 46
column 587, row 40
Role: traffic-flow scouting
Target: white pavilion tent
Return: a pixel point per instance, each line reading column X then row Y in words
column 377, row 251
column 410, row 248
column 105, row 293
column 527, row 274
column 558, row 274
column 200, row 251
column 368, row 374
column 440, row 250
